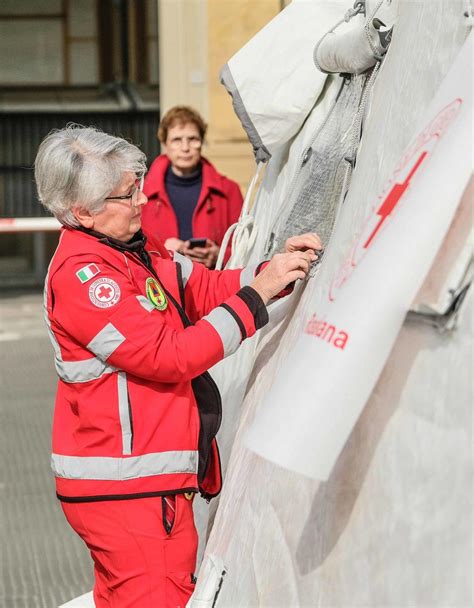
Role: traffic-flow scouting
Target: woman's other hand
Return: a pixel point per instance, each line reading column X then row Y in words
column 174, row 244
column 204, row 255
column 303, row 242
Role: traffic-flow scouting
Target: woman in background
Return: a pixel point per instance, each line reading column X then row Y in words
column 188, row 198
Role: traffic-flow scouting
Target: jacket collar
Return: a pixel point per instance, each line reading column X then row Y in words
column 136, row 245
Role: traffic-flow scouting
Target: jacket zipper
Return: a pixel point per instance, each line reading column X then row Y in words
column 206, row 377
column 130, row 418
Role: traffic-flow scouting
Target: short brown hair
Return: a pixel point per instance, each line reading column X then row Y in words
column 180, row 115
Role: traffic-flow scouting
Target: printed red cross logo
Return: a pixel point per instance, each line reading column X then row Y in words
column 104, row 293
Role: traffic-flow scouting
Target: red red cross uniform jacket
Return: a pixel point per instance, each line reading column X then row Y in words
column 218, row 207
column 136, row 413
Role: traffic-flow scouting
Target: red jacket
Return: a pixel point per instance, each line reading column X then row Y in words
column 218, row 206
column 136, row 413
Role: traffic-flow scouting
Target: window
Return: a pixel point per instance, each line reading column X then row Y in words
column 70, row 43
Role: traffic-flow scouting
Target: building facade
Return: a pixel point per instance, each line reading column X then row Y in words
column 114, row 64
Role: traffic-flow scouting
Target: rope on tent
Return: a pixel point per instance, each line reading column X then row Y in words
column 356, row 50
column 243, row 232
column 359, row 7
column 377, row 23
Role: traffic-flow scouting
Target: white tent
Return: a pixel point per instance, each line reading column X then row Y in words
column 347, row 437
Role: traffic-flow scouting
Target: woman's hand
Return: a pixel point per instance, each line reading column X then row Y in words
column 174, row 244
column 303, row 242
column 205, row 255
column 283, row 269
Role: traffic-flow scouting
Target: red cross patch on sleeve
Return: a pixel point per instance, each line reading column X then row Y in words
column 104, row 293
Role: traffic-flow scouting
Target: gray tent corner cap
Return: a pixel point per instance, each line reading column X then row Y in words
column 260, row 151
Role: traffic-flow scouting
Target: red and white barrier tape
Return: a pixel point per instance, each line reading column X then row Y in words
column 29, row 224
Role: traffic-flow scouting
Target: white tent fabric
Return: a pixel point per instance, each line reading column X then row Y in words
column 272, row 79
column 390, row 526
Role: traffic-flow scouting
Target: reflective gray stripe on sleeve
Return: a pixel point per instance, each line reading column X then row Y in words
column 116, row 469
column 52, row 337
column 73, row 371
column 186, row 266
column 82, row 371
column 145, row 302
column 227, row 328
column 124, row 413
column 106, row 341
column 247, row 275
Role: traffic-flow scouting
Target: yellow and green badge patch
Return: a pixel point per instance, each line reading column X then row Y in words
column 155, row 293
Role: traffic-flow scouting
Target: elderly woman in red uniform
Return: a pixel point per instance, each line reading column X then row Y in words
column 191, row 203
column 134, row 332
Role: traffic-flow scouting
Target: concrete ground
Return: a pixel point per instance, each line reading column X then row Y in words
column 43, row 563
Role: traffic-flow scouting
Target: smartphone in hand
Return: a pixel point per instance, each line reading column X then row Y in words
column 197, row 242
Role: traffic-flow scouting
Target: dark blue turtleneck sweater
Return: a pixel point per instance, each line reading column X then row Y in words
column 183, row 193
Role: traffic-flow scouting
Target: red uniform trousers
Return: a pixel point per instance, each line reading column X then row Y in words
column 137, row 563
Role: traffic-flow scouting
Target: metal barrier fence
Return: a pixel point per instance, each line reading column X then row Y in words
column 21, row 134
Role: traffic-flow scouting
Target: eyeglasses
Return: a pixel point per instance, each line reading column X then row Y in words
column 193, row 142
column 133, row 196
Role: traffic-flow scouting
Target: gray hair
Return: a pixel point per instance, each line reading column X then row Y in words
column 80, row 166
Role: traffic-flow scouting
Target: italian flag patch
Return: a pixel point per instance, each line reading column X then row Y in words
column 86, row 273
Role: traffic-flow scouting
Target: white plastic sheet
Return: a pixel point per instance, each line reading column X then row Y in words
column 358, row 306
